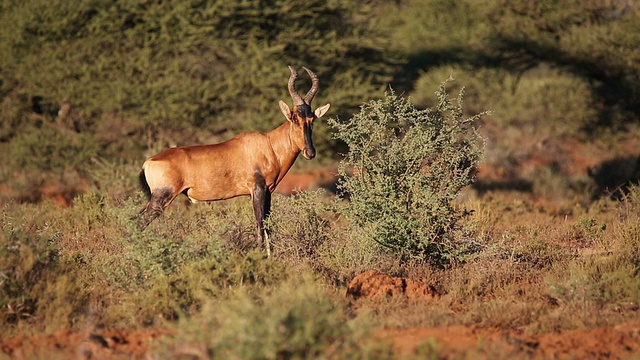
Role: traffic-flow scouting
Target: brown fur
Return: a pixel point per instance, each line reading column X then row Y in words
column 226, row 170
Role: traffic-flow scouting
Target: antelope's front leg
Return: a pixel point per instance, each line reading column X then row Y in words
column 261, row 198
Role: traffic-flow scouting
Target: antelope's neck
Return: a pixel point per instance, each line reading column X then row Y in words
column 284, row 149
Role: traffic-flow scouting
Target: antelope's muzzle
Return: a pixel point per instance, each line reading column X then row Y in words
column 309, row 151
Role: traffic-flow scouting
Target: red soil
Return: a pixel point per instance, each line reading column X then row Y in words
column 451, row 342
column 293, row 183
column 460, row 341
column 77, row 345
column 619, row 342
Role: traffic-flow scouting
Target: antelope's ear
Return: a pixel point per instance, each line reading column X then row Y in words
column 285, row 110
column 321, row 110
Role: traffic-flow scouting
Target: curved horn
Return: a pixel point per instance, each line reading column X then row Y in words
column 297, row 100
column 314, row 86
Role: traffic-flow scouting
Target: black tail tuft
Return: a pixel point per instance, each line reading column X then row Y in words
column 144, row 185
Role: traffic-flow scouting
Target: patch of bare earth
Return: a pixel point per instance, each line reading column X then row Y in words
column 453, row 342
column 82, row 345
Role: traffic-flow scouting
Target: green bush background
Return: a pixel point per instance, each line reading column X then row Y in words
column 140, row 76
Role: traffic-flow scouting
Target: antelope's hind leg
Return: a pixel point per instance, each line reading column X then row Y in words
column 160, row 199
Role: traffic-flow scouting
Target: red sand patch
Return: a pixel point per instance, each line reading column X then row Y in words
column 77, row 345
column 294, row 183
column 452, row 342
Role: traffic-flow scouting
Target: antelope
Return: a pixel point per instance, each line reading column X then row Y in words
column 251, row 163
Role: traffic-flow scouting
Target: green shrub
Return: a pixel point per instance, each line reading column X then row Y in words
column 298, row 319
column 299, row 226
column 406, row 167
column 36, row 287
column 349, row 251
column 199, row 281
column 606, row 277
column 132, row 259
column 437, row 25
column 543, row 102
column 47, row 150
column 594, row 39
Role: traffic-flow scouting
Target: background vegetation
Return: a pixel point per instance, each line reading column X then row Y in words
column 90, row 88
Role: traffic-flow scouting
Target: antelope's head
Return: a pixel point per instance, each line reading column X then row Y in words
column 301, row 116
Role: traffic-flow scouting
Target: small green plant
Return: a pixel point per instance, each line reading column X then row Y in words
column 591, row 230
column 404, row 169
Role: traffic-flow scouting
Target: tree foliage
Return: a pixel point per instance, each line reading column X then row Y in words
column 86, row 79
column 183, row 65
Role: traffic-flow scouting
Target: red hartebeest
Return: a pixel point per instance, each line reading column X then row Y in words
column 251, row 163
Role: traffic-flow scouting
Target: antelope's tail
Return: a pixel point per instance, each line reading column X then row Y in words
column 143, row 184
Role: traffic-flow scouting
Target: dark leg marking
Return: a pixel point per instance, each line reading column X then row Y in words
column 154, row 208
column 267, row 203
column 261, row 208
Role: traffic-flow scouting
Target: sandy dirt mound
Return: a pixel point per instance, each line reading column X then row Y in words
column 372, row 284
